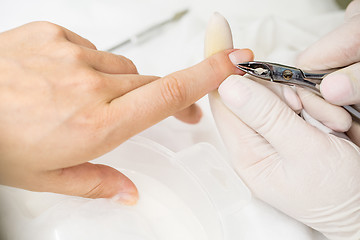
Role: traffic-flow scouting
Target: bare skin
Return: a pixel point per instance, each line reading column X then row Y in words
column 64, row 103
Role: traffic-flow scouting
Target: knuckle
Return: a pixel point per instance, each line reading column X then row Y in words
column 96, row 191
column 74, row 52
column 90, row 81
column 132, row 66
column 90, row 124
column 91, row 44
column 215, row 64
column 52, row 30
column 129, row 64
column 173, row 91
column 352, row 50
column 99, row 186
column 94, row 188
column 123, row 63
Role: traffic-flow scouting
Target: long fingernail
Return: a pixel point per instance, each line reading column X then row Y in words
column 126, row 198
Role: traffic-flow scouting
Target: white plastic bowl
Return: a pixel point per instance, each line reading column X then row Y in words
column 185, row 195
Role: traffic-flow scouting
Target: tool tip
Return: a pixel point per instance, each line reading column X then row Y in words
column 180, row 14
column 255, row 68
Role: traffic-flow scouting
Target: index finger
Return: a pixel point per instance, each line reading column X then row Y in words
column 77, row 39
column 153, row 102
column 337, row 49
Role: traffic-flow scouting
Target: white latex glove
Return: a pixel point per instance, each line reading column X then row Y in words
column 304, row 172
column 338, row 48
column 218, row 38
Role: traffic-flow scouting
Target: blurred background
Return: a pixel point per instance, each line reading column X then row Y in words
column 276, row 30
column 108, row 22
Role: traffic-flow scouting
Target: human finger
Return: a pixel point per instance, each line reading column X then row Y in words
column 265, row 113
column 243, row 143
column 191, row 114
column 176, row 91
column 91, row 181
column 246, row 147
column 46, row 32
column 104, row 62
column 77, row 39
column 121, row 84
column 332, row 116
column 343, row 86
column 286, row 93
column 117, row 85
column 218, row 35
column 83, row 49
column 354, row 133
column 57, row 31
column 352, row 9
column 78, row 48
column 336, row 49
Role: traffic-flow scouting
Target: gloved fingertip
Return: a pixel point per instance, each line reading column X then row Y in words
column 218, row 35
column 305, row 60
column 353, row 9
column 342, row 124
column 233, row 92
column 300, row 61
column 337, row 88
column 292, row 99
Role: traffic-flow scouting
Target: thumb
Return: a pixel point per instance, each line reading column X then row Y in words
column 336, row 49
column 342, row 87
column 353, row 9
column 93, row 181
column 266, row 114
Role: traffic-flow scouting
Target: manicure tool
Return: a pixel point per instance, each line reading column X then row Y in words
column 291, row 76
column 149, row 31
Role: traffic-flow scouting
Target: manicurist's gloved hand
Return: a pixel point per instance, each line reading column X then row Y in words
column 64, row 103
column 339, row 48
column 310, row 175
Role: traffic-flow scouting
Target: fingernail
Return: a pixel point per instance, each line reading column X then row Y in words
column 240, row 56
column 126, row 198
column 337, row 88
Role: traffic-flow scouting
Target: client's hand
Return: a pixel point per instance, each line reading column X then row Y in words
column 64, row 103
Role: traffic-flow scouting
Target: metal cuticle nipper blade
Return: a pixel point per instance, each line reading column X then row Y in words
column 291, row 76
